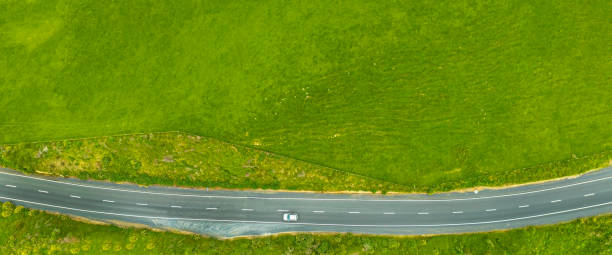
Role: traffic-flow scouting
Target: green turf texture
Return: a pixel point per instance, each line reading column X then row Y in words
column 416, row 92
column 25, row 231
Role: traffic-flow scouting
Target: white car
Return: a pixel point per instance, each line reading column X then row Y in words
column 290, row 217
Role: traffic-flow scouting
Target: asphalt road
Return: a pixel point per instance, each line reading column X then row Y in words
column 237, row 213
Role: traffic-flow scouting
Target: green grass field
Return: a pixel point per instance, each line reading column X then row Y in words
column 24, row 231
column 415, row 92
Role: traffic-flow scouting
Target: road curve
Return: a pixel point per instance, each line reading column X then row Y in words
column 239, row 213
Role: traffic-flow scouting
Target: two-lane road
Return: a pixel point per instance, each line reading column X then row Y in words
column 234, row 213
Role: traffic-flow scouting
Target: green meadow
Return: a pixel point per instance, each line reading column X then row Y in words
column 414, row 92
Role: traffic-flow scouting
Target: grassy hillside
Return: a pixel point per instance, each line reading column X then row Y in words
column 181, row 160
column 24, row 231
column 410, row 91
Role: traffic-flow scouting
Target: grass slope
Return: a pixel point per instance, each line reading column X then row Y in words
column 418, row 92
column 24, row 231
column 181, row 160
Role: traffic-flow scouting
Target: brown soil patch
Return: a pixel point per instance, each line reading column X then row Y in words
column 131, row 225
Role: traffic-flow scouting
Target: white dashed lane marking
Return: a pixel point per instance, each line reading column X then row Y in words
column 248, row 210
column 312, row 224
column 312, row 199
column 108, row 201
column 491, row 210
column 211, row 208
column 43, row 191
column 318, row 211
column 458, row 212
column 11, row 186
column 142, row 204
column 73, row 196
column 523, row 206
column 555, row 201
column 389, row 213
column 282, row 210
column 423, row 213
column 176, row 206
column 590, row 194
column 354, row 212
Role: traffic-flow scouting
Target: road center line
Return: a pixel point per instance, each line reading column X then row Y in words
column 108, row 201
column 11, row 186
column 556, row 201
column 491, row 210
column 318, row 211
column 523, row 206
column 311, row 224
column 73, row 196
column 458, row 212
column 302, row 198
column 43, row 191
column 590, row 194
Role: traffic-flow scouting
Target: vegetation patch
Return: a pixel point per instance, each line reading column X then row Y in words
column 180, row 160
column 25, row 231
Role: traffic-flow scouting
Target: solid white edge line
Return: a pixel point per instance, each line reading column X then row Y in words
column 590, row 194
column 108, row 201
column 314, row 199
column 305, row 223
column 43, row 191
column 523, row 206
column 73, row 196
